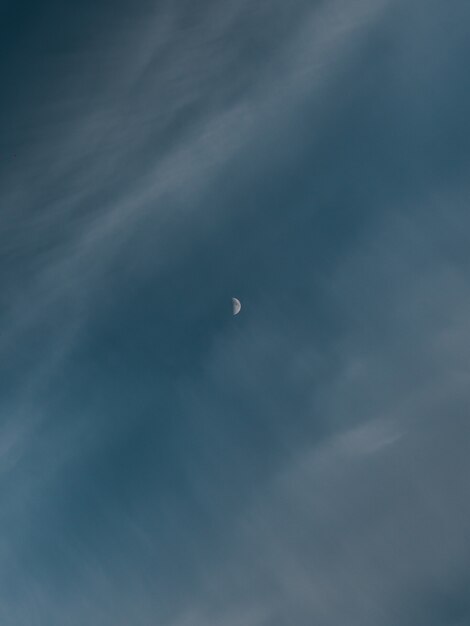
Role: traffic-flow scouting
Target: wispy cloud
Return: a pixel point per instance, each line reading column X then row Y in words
column 306, row 464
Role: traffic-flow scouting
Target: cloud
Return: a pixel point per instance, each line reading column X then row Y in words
column 362, row 520
column 100, row 169
column 306, row 465
column 106, row 174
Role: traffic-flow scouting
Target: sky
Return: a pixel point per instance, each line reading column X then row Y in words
column 163, row 462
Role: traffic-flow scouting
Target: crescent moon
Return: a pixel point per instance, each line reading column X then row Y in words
column 236, row 306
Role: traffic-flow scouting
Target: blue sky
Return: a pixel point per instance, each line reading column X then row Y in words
column 161, row 461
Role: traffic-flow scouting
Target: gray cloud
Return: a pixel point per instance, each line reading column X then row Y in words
column 307, row 463
column 367, row 525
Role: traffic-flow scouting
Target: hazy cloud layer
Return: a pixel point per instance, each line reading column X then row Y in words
column 164, row 462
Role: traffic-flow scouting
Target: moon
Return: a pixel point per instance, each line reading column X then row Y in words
column 236, row 306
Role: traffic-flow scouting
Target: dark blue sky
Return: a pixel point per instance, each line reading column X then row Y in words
column 161, row 461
